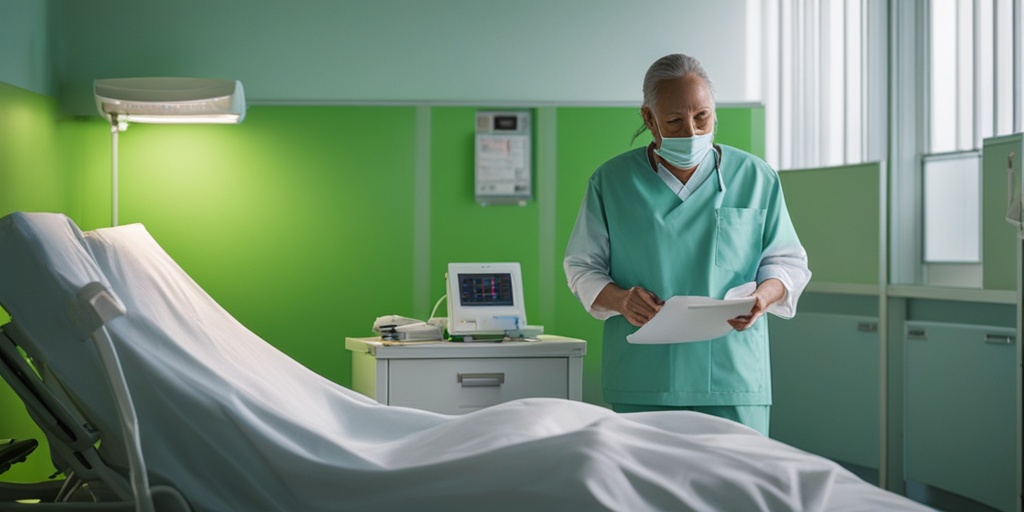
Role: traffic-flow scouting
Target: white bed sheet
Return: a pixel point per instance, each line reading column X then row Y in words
column 235, row 424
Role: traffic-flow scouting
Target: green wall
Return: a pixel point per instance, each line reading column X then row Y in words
column 461, row 229
column 305, row 223
column 298, row 221
column 31, row 178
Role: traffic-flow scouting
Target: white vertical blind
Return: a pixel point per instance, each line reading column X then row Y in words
column 855, row 89
column 943, row 44
column 819, row 65
column 1004, row 52
column 985, row 77
column 817, row 101
column 813, row 79
column 965, row 128
column 788, row 81
column 834, row 93
column 973, row 49
column 773, row 73
column 1018, row 70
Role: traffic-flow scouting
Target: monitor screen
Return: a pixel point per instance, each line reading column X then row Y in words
column 484, row 299
column 507, row 122
column 485, row 290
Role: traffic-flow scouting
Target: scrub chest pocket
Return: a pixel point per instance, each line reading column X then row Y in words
column 738, row 241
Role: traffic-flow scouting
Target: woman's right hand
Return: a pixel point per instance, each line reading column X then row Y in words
column 636, row 304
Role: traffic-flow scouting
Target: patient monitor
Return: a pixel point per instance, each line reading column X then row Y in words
column 485, row 300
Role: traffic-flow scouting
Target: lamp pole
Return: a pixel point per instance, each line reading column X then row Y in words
column 114, row 131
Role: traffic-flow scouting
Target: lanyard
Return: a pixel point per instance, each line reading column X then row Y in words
column 721, row 181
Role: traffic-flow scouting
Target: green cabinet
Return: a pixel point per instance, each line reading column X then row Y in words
column 961, row 410
column 998, row 237
column 825, row 385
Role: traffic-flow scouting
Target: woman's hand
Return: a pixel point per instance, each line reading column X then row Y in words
column 636, row 304
column 767, row 293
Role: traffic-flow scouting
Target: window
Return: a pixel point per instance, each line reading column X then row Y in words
column 824, row 81
column 918, row 84
column 970, row 85
column 951, row 188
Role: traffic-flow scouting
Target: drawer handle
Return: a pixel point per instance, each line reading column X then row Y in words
column 999, row 339
column 867, row 326
column 479, row 380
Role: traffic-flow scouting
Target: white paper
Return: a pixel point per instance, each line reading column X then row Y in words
column 688, row 318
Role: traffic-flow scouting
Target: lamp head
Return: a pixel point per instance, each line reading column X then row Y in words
column 170, row 100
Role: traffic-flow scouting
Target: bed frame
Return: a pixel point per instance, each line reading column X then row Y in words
column 89, row 483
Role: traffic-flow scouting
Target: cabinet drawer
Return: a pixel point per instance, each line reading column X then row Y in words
column 457, row 386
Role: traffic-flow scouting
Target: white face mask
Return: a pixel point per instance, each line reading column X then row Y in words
column 684, row 152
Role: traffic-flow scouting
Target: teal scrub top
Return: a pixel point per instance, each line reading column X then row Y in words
column 709, row 243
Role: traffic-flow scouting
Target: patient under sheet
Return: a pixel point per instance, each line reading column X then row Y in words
column 235, row 424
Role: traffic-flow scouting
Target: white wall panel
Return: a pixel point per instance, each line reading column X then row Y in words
column 461, row 51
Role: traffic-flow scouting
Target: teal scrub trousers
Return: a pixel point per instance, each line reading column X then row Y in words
column 753, row 416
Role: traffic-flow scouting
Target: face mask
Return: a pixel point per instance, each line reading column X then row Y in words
column 684, row 152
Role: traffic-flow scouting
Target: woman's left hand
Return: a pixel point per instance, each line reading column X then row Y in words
column 767, row 293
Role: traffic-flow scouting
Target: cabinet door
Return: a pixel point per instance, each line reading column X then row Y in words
column 960, row 410
column 457, row 386
column 825, row 386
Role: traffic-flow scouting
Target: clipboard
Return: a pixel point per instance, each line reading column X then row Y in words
column 689, row 318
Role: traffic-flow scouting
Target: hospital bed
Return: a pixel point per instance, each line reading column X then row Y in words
column 153, row 397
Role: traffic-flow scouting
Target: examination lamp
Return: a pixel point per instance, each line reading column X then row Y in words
column 165, row 101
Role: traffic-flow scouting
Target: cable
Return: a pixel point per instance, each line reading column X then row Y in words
column 436, row 304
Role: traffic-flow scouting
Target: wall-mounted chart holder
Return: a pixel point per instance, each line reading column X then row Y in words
column 503, row 158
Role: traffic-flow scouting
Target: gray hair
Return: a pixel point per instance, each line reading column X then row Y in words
column 669, row 67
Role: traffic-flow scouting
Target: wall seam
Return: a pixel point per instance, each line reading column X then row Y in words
column 547, row 202
column 421, row 300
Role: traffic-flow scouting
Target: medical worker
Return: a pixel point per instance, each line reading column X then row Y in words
column 685, row 216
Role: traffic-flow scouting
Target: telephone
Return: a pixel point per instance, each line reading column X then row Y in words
column 400, row 328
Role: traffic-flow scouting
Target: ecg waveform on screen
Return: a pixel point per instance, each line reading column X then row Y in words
column 485, row 289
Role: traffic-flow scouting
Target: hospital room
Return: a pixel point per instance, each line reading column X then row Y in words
column 267, row 309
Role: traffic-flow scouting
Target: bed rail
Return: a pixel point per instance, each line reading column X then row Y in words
column 73, row 440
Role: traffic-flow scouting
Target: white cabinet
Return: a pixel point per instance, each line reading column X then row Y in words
column 456, row 378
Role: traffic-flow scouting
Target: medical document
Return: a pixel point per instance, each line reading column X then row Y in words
column 688, row 318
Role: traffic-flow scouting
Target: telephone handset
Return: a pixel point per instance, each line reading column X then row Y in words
column 401, row 328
